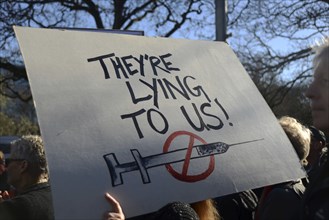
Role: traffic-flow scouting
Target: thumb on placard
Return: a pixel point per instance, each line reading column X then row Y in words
column 114, row 203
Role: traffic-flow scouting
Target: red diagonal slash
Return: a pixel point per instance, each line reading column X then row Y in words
column 183, row 176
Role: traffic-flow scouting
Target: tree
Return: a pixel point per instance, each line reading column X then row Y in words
column 255, row 28
column 17, row 124
column 296, row 105
column 160, row 18
column 22, row 126
column 119, row 14
column 262, row 25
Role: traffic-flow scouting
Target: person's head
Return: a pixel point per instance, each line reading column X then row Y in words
column 27, row 164
column 202, row 210
column 299, row 136
column 176, row 211
column 318, row 142
column 318, row 91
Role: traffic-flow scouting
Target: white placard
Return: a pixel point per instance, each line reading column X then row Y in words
column 150, row 120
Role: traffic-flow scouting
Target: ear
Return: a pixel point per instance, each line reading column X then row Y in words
column 23, row 166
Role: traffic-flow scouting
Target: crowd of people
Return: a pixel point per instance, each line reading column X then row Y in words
column 25, row 191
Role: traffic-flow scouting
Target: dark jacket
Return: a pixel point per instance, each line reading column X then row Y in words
column 3, row 182
column 238, row 206
column 315, row 202
column 33, row 204
column 282, row 201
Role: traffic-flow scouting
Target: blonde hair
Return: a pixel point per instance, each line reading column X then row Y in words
column 2, row 157
column 299, row 136
column 206, row 209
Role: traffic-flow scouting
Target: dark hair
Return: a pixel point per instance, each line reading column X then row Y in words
column 318, row 135
column 176, row 211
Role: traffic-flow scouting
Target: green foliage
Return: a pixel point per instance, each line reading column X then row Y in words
column 7, row 125
column 3, row 102
column 22, row 126
column 16, row 117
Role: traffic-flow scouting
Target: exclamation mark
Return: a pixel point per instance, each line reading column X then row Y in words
column 225, row 113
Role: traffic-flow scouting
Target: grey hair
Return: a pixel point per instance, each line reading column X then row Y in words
column 30, row 148
column 321, row 49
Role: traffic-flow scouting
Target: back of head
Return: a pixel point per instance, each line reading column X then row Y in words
column 299, row 136
column 318, row 135
column 30, row 148
column 176, row 211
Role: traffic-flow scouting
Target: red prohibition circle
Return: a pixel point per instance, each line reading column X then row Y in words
column 183, row 176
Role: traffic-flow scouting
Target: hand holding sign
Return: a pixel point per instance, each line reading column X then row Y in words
column 117, row 213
